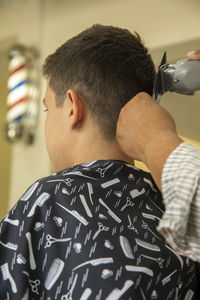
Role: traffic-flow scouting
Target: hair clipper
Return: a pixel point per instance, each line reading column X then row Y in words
column 183, row 77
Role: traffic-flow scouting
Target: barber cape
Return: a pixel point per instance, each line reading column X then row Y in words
column 89, row 232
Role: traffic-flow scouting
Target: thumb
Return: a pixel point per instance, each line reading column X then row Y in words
column 193, row 55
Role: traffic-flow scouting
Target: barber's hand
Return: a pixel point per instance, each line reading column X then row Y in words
column 143, row 124
column 147, row 132
column 193, row 55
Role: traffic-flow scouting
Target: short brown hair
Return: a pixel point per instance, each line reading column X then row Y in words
column 106, row 65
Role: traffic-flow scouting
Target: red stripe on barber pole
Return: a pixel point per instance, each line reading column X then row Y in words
column 18, row 102
column 17, row 69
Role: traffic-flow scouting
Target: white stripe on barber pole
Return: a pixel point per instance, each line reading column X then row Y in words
column 17, row 94
column 17, row 77
column 17, row 111
column 15, row 62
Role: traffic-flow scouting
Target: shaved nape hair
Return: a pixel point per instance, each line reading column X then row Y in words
column 107, row 66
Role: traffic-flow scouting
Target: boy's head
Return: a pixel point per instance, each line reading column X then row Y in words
column 107, row 66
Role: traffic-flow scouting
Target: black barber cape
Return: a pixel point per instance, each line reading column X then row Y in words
column 89, row 232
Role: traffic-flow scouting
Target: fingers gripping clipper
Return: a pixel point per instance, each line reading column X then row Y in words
column 183, row 77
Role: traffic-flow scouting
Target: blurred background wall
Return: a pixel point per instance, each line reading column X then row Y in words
column 172, row 25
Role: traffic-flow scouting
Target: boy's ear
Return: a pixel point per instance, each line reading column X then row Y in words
column 76, row 108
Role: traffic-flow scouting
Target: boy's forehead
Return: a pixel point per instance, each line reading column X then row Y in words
column 46, row 96
column 48, row 92
column 49, row 95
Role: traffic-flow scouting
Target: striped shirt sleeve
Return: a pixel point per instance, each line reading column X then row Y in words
column 180, row 224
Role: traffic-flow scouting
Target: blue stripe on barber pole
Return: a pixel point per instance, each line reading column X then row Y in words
column 18, row 118
column 18, row 85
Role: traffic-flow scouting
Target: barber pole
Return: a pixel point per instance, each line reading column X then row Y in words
column 23, row 94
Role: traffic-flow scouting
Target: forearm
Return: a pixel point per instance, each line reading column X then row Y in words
column 157, row 153
column 181, row 195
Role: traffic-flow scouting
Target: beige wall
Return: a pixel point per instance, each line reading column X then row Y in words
column 5, row 147
column 159, row 22
column 49, row 23
column 21, row 20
